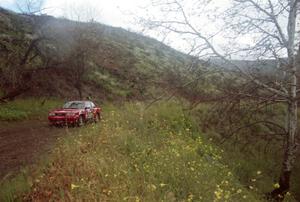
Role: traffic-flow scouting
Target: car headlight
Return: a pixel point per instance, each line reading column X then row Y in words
column 51, row 114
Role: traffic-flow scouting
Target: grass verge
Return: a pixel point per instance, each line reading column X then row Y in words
column 27, row 108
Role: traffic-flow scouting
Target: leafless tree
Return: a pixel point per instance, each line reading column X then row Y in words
column 81, row 43
column 81, row 47
column 23, row 50
column 272, row 31
column 30, row 7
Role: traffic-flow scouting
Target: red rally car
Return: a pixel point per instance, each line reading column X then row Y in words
column 75, row 113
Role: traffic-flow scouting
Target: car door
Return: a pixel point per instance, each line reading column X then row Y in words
column 89, row 110
column 93, row 108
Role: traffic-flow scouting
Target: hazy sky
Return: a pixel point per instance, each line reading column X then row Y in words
column 112, row 12
column 122, row 13
column 119, row 13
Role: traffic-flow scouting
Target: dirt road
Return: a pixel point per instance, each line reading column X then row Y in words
column 21, row 143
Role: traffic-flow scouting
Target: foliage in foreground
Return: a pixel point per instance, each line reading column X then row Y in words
column 248, row 149
column 136, row 155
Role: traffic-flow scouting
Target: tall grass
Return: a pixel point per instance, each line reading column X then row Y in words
column 10, row 189
column 27, row 108
column 247, row 154
column 137, row 155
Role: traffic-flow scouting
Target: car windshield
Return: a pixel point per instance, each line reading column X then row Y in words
column 74, row 105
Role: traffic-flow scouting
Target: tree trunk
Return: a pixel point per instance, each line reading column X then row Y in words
column 80, row 93
column 289, row 157
column 290, row 146
column 78, row 87
column 14, row 93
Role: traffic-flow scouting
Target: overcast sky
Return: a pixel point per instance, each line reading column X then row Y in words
column 112, row 12
column 118, row 13
column 122, row 13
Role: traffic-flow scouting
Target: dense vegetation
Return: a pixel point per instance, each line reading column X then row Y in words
column 139, row 154
column 138, row 150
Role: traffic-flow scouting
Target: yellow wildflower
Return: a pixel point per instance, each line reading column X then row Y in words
column 190, row 197
column 162, row 185
column 152, row 187
column 73, row 186
column 276, row 185
column 218, row 194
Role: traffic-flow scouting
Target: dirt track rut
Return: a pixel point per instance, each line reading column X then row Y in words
column 21, row 143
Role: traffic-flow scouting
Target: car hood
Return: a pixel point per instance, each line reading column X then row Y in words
column 66, row 110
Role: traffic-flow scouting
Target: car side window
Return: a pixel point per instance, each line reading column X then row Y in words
column 92, row 104
column 88, row 105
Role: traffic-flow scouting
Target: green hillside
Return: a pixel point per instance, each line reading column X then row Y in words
column 118, row 64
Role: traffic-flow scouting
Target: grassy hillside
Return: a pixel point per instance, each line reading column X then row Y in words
column 121, row 65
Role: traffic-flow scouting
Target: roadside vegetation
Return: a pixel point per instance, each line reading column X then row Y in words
column 141, row 155
column 22, row 109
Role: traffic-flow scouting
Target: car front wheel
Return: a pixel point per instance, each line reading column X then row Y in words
column 80, row 121
column 97, row 118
